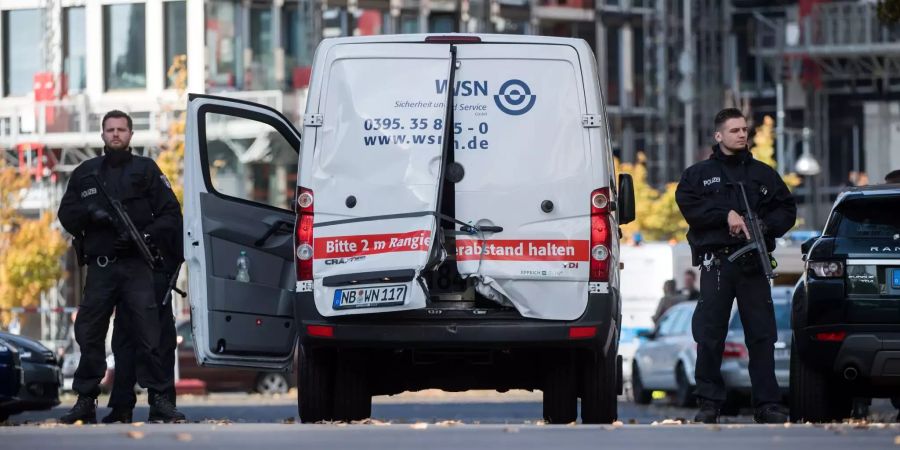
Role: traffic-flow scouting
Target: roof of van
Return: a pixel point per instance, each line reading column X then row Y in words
column 492, row 38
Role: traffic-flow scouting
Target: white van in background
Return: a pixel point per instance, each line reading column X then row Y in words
column 454, row 225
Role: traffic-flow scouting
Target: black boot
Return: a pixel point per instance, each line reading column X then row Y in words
column 162, row 410
column 118, row 415
column 709, row 411
column 771, row 413
column 85, row 410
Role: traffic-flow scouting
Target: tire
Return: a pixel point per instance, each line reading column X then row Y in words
column 600, row 388
column 271, row 383
column 560, row 389
column 642, row 396
column 684, row 395
column 352, row 396
column 315, row 385
column 813, row 397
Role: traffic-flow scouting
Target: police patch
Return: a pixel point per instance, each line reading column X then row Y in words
column 88, row 192
column 763, row 190
column 165, row 181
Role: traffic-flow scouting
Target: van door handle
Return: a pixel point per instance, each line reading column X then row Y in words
column 277, row 225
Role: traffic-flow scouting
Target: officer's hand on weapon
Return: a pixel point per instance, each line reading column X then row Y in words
column 99, row 215
column 123, row 243
column 736, row 225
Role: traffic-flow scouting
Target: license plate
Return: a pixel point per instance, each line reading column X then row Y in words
column 372, row 297
column 782, row 353
column 895, row 279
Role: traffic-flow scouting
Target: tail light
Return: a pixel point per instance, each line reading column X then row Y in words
column 833, row 336
column 601, row 235
column 303, row 241
column 735, row 350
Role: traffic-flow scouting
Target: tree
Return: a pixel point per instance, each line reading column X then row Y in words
column 888, row 11
column 764, row 150
column 30, row 249
column 171, row 158
column 657, row 214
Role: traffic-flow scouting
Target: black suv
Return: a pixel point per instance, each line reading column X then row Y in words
column 846, row 308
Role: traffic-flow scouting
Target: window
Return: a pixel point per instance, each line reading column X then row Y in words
column 263, row 53
column 298, row 44
column 224, row 45
column 668, row 322
column 22, row 50
column 250, row 160
column 75, row 50
column 866, row 219
column 176, row 35
column 124, row 50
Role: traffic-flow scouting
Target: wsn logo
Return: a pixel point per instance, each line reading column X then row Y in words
column 515, row 98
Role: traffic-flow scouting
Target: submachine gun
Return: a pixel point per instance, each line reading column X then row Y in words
column 123, row 222
column 757, row 239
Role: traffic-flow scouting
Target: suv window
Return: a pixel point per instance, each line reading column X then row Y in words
column 866, row 218
column 187, row 337
column 668, row 322
column 782, row 318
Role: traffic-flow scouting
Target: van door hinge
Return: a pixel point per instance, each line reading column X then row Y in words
column 591, row 121
column 313, row 120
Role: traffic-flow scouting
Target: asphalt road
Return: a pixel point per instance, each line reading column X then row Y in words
column 433, row 422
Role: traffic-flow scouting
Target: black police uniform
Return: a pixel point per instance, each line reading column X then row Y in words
column 117, row 276
column 705, row 195
column 122, row 398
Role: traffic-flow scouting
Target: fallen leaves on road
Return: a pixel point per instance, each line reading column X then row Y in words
column 137, row 424
column 666, row 422
column 184, row 437
column 714, row 428
column 897, row 440
column 289, row 420
column 78, row 423
column 135, row 434
column 448, row 423
column 510, row 430
column 419, row 426
column 618, row 424
column 370, row 421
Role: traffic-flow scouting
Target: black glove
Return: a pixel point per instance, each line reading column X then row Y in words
column 123, row 244
column 99, row 216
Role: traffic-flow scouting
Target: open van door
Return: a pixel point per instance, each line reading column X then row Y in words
column 240, row 178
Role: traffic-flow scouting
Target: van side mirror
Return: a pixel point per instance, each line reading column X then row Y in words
column 648, row 334
column 625, row 205
column 807, row 245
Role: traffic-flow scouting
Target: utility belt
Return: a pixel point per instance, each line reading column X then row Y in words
column 104, row 260
column 748, row 262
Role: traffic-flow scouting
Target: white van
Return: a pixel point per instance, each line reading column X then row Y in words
column 424, row 240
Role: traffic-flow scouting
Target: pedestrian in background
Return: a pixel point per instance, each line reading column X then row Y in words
column 118, row 277
column 710, row 200
column 670, row 298
column 690, row 291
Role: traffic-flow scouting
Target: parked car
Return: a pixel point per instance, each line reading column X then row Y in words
column 70, row 360
column 12, row 378
column 225, row 378
column 665, row 361
column 846, row 308
column 42, row 375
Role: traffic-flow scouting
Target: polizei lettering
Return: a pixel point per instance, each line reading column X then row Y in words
column 463, row 88
column 712, row 180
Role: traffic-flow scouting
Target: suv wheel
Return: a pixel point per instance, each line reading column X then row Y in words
column 600, row 387
column 642, row 396
column 315, row 385
column 560, row 391
column 270, row 383
column 684, row 395
column 813, row 398
column 352, row 397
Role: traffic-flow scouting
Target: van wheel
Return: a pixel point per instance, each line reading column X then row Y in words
column 271, row 383
column 315, row 385
column 684, row 396
column 600, row 386
column 813, row 397
column 642, row 395
column 560, row 389
column 352, row 397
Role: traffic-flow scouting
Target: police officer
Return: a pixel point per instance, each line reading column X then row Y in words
column 117, row 276
column 122, row 398
column 709, row 199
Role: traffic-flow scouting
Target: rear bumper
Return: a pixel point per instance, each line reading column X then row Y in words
column 455, row 329
column 873, row 353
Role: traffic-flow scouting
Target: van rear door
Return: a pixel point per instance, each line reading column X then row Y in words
column 240, row 176
column 376, row 130
column 529, row 170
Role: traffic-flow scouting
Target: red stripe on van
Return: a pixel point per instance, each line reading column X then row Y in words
column 523, row 250
column 371, row 244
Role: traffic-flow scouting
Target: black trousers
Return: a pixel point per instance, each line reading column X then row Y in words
column 123, row 347
column 127, row 284
column 720, row 282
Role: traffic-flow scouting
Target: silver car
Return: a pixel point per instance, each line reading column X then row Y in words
column 665, row 360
